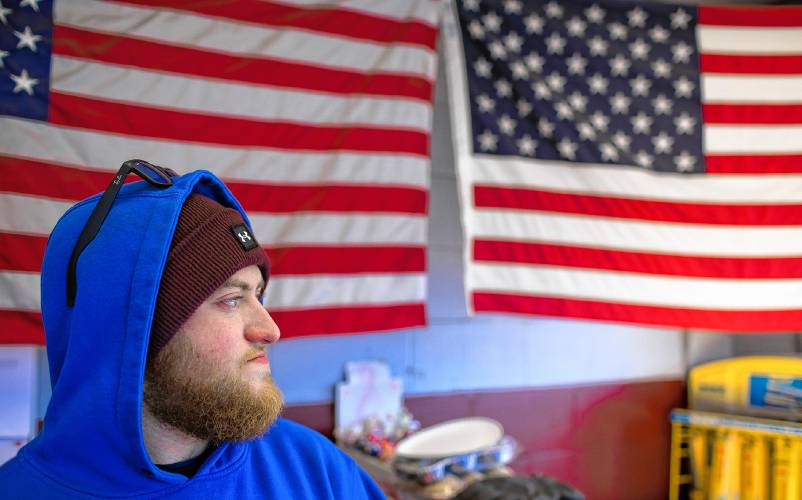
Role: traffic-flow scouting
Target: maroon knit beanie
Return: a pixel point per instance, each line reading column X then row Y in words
column 211, row 242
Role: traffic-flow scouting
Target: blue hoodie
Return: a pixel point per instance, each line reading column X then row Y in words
column 91, row 444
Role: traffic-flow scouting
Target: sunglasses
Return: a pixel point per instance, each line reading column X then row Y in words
column 153, row 174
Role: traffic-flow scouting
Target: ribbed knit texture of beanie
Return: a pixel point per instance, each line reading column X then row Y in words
column 204, row 253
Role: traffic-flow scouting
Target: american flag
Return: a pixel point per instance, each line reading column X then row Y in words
column 630, row 162
column 316, row 114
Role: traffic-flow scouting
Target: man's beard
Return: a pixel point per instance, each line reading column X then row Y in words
column 199, row 399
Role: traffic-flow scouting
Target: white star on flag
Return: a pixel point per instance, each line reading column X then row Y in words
column 555, row 44
column 534, row 24
column 534, row 62
column 622, row 140
column 3, row 12
column 598, row 84
column 27, row 39
column 639, row 49
column 526, row 145
column 23, row 82
column 554, row 10
column 576, row 27
column 684, row 123
column 483, row 67
column 492, row 22
column 586, row 131
column 506, row 125
column 619, row 65
column 485, row 103
column 683, row 87
column 662, row 143
column 567, row 148
column 662, row 105
column 595, row 14
column 641, row 123
column 545, row 128
column 681, row 52
column 620, row 103
column 576, row 64
column 684, row 161
column 597, row 46
column 637, row 17
column 617, row 31
column 644, row 159
column 34, row 4
column 487, row 141
column 680, row 19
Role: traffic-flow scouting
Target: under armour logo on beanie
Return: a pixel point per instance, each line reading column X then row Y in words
column 211, row 242
column 244, row 237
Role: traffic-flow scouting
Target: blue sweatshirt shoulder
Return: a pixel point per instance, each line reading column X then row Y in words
column 299, row 448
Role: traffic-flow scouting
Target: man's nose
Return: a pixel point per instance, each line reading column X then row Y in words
column 262, row 329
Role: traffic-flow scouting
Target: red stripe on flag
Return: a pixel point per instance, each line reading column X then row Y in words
column 774, row 16
column 21, row 327
column 762, row 114
column 350, row 319
column 329, row 198
column 343, row 22
column 299, row 260
column 750, row 64
column 673, row 317
column 637, row 262
column 21, row 252
column 115, row 117
column 25, row 176
column 626, row 208
column 753, row 164
column 128, row 51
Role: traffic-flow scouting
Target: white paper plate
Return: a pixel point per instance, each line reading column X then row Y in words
column 453, row 437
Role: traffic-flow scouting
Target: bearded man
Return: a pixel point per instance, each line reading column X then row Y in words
column 156, row 340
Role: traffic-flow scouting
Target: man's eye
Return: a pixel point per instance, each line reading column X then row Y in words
column 233, row 302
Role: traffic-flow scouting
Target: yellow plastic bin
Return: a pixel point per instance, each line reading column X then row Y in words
column 767, row 386
column 728, row 457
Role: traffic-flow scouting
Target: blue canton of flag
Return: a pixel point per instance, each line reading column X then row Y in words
column 578, row 82
column 26, row 29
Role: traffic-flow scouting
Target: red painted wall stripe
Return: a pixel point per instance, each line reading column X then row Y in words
column 21, row 327
column 609, row 440
column 750, row 64
column 760, row 114
column 345, row 260
column 776, row 15
column 336, row 21
column 671, row 317
column 637, row 262
column 626, row 208
column 329, row 198
column 128, row 51
column 128, row 119
column 351, row 319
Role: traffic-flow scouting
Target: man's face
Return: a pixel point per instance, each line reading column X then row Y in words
column 212, row 380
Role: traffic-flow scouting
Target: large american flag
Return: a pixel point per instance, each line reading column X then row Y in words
column 316, row 114
column 632, row 162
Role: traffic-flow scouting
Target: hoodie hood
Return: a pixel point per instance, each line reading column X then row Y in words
column 92, row 438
